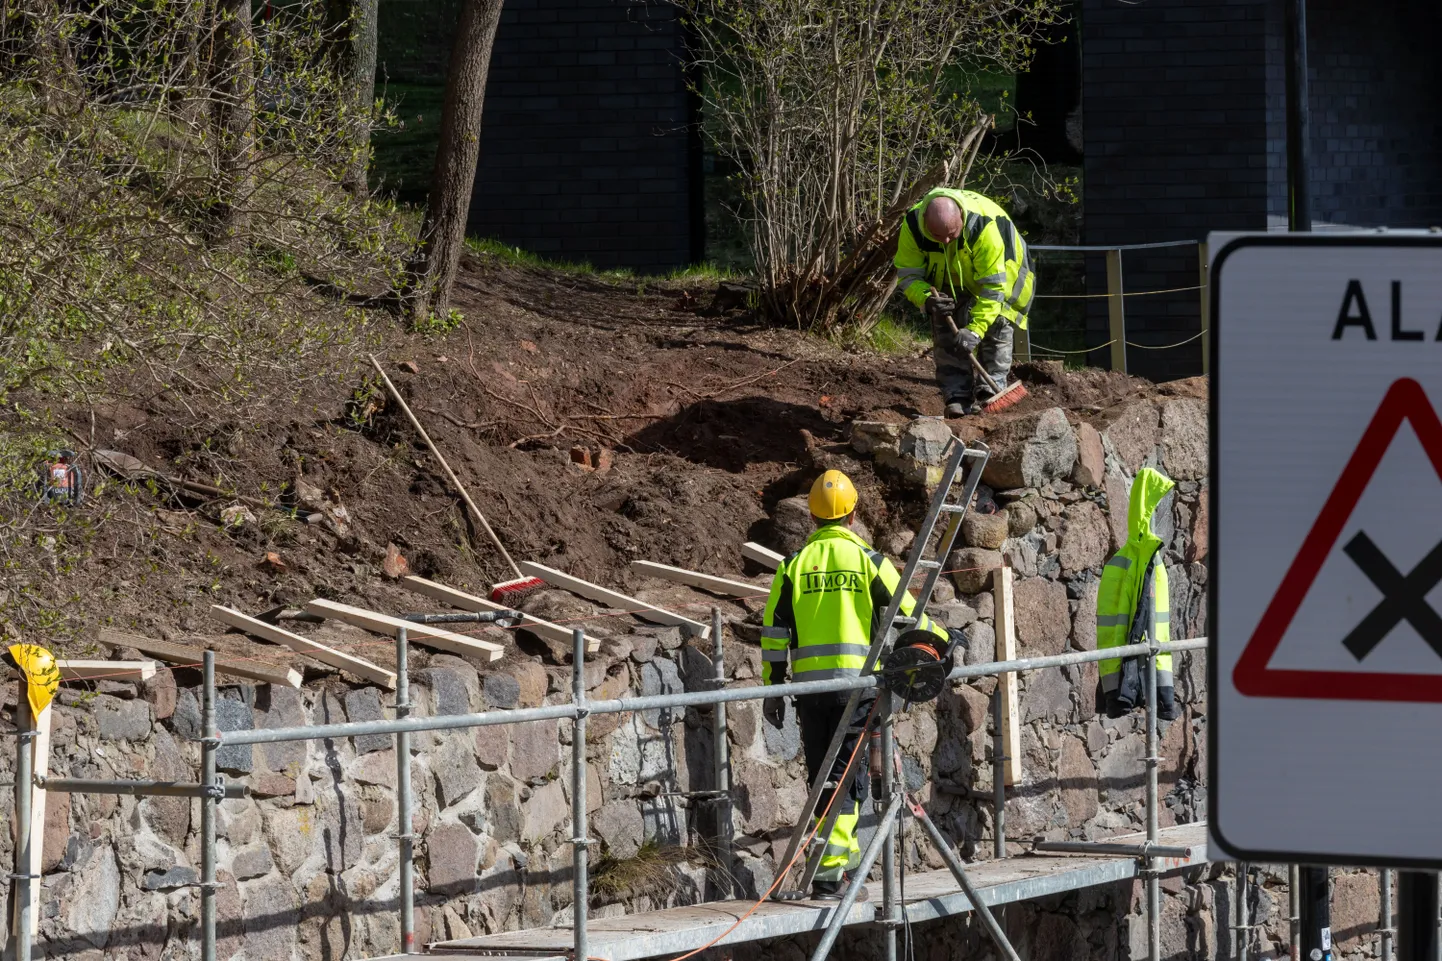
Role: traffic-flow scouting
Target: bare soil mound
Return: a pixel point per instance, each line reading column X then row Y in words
column 687, row 429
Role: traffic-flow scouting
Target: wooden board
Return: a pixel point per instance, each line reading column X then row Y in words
column 764, row 556
column 706, row 582
column 1001, row 593
column 470, row 602
column 191, row 657
column 601, row 595
column 40, row 766
column 346, row 662
column 109, row 670
column 425, row 634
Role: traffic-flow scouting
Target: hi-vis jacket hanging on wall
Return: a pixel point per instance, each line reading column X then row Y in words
column 1132, row 605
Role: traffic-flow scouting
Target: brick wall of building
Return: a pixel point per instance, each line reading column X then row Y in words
column 588, row 147
column 1185, row 132
column 588, row 150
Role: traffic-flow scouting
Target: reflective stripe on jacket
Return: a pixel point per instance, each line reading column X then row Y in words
column 987, row 269
column 1125, row 576
column 826, row 601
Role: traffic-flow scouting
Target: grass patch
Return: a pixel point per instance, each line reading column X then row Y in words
column 904, row 334
column 649, row 873
column 518, row 257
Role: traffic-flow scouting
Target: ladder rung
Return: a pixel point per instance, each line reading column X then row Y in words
column 953, row 508
column 928, row 564
column 902, row 619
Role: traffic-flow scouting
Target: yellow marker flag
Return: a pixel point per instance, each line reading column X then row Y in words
column 41, row 675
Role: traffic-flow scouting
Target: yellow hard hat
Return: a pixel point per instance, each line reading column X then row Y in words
column 41, row 675
column 832, row 496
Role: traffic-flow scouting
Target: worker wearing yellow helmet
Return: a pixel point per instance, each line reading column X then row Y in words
column 825, row 604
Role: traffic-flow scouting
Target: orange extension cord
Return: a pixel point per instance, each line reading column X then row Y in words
column 781, row 875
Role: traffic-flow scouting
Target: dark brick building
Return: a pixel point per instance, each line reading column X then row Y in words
column 589, row 149
column 1183, row 105
column 588, row 123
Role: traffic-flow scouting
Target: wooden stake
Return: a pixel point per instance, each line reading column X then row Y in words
column 1001, row 593
column 602, row 595
column 41, row 768
column 107, row 670
column 346, row 662
column 706, row 582
column 764, row 556
column 191, row 657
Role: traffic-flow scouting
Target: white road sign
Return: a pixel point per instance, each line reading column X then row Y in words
column 1326, row 556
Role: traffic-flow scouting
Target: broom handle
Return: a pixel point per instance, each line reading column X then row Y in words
column 976, row 364
column 455, row 481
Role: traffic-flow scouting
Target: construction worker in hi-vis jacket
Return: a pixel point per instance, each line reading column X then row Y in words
column 960, row 255
column 826, row 600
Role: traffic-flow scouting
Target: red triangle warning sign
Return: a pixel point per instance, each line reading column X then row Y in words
column 1405, row 400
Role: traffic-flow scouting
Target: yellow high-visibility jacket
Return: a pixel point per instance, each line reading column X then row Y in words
column 826, row 600
column 1120, row 597
column 987, row 269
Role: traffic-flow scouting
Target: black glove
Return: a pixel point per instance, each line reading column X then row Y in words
column 774, row 710
column 938, row 304
column 967, row 340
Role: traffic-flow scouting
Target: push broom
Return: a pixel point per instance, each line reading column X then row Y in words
column 1001, row 398
column 506, row 592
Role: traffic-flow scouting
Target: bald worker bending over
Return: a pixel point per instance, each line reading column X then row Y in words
column 960, row 255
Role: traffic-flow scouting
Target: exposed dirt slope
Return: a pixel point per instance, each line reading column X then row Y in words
column 706, row 422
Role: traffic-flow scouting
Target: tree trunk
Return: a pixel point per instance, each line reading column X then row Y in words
column 354, row 23
column 56, row 70
column 443, row 233
column 191, row 98
column 233, row 83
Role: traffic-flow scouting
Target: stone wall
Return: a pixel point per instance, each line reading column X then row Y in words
column 309, row 864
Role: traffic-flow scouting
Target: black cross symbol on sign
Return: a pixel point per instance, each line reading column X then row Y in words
column 1404, row 597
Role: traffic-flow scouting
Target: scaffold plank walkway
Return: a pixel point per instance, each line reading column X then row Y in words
column 929, row 895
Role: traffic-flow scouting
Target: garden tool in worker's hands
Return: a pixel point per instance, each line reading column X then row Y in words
column 966, row 342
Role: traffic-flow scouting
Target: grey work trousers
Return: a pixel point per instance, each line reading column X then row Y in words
column 954, row 375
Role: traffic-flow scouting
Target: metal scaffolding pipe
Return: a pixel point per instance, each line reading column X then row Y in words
column 1385, row 927
column 890, row 903
column 1244, row 911
column 1148, row 850
column 848, row 900
column 581, row 887
column 626, row 705
column 998, row 777
column 221, row 788
column 943, row 847
column 405, row 835
column 1154, row 881
column 466, row 617
column 24, row 774
column 721, row 759
column 209, row 745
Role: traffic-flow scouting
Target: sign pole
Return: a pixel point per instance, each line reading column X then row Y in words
column 1416, row 916
column 1316, row 915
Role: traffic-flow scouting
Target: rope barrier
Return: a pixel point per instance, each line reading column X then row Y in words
column 1133, row 293
column 1129, row 343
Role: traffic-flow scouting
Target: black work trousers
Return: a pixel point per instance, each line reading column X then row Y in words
column 819, row 715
